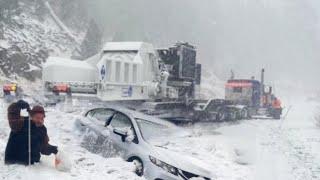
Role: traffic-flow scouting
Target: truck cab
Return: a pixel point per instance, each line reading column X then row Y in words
column 243, row 91
column 255, row 95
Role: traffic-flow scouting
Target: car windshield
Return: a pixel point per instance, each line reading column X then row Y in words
column 151, row 130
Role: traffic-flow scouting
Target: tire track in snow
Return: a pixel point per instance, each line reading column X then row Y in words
column 298, row 151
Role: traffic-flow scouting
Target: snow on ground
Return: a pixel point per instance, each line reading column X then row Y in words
column 208, row 151
column 85, row 165
column 253, row 149
column 272, row 149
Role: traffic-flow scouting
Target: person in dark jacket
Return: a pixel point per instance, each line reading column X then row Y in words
column 18, row 144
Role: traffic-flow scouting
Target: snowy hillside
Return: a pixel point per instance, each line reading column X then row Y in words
column 29, row 33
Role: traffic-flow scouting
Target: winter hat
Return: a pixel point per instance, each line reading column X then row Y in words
column 37, row 109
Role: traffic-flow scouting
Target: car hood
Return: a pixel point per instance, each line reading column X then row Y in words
column 181, row 160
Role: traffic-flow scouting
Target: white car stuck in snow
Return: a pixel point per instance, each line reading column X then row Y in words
column 138, row 138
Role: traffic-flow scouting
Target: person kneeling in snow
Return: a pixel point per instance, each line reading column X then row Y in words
column 18, row 143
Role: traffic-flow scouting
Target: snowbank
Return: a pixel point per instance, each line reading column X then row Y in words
column 85, row 165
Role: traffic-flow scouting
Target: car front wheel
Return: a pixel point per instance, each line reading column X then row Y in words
column 138, row 165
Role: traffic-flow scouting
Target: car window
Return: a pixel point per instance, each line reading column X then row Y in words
column 100, row 114
column 121, row 121
column 152, row 130
column 90, row 113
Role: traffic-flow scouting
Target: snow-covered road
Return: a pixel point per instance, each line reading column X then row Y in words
column 285, row 149
column 251, row 149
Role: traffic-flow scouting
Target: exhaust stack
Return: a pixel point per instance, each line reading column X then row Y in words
column 262, row 87
column 262, row 77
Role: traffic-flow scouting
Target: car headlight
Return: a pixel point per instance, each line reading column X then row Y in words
column 167, row 167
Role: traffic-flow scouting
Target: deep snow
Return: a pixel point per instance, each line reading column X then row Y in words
column 285, row 149
column 251, row 149
column 85, row 165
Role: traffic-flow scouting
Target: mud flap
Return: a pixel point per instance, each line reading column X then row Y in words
column 276, row 113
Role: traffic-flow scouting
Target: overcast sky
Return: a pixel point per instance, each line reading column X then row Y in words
column 243, row 35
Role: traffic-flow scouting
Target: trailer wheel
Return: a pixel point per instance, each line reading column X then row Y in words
column 238, row 114
column 233, row 116
column 220, row 115
column 244, row 114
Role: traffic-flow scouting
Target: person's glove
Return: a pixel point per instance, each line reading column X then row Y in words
column 54, row 149
column 23, row 105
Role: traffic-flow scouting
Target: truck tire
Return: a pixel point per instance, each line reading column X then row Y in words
column 239, row 115
column 244, row 113
column 233, row 116
column 277, row 114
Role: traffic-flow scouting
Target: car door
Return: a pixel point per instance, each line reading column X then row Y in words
column 98, row 118
column 97, row 139
column 123, row 123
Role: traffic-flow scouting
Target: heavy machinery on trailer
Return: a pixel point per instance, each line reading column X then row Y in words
column 160, row 82
column 125, row 71
column 132, row 73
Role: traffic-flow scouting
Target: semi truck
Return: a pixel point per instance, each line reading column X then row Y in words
column 244, row 99
column 160, row 82
column 255, row 95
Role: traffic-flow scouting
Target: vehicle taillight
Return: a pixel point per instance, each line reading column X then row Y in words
column 10, row 87
column 60, row 88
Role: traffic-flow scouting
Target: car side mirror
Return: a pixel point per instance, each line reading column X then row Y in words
column 121, row 133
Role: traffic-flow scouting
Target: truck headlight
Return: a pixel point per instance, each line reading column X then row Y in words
column 167, row 167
